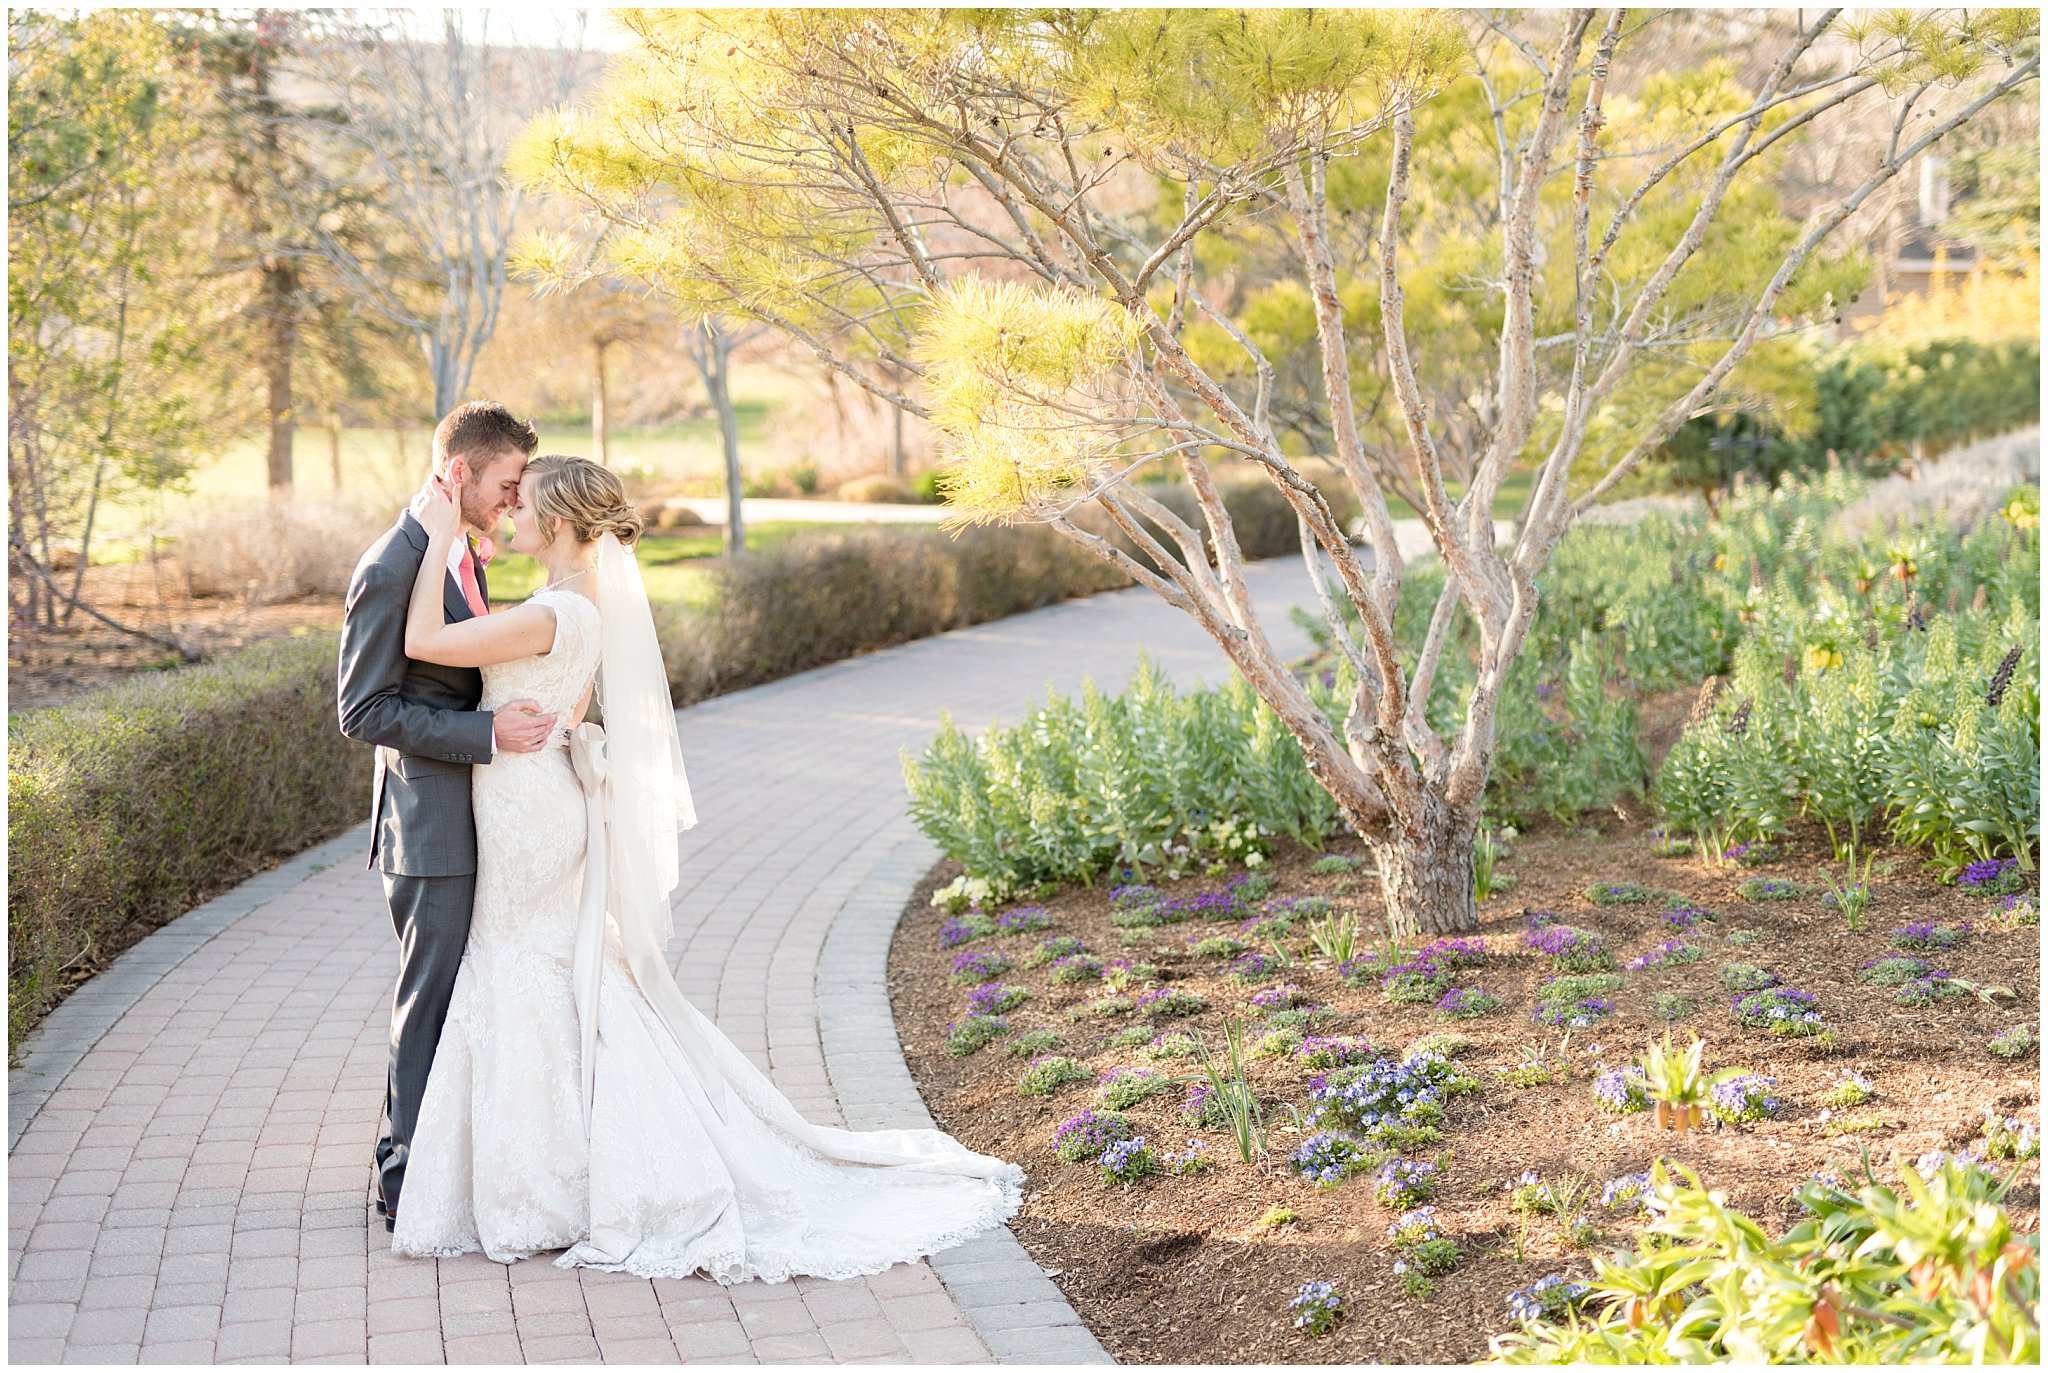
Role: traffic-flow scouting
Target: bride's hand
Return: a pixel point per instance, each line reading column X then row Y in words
column 438, row 512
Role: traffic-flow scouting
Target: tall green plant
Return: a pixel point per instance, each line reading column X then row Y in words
column 1930, row 1271
column 1133, row 780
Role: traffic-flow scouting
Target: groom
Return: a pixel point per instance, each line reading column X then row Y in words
column 424, row 720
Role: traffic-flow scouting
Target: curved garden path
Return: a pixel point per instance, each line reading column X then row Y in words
column 190, row 1132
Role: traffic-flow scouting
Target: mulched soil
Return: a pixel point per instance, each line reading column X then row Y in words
column 47, row 667
column 1177, row 1270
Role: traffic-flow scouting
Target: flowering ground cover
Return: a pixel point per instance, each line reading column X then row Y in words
column 1204, row 1264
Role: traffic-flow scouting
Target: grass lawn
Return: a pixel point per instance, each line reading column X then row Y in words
column 671, row 564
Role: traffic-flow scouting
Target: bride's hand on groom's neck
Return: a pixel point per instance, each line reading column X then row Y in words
column 437, row 510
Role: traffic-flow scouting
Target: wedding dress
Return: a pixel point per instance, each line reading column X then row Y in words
column 686, row 1158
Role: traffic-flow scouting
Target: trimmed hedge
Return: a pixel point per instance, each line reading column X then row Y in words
column 806, row 602
column 131, row 805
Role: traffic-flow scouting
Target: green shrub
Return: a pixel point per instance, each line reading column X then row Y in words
column 1930, row 1271
column 131, row 805
column 804, row 602
column 1080, row 785
column 815, row 600
column 1891, row 679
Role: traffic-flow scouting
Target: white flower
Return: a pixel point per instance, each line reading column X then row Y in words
column 1252, row 860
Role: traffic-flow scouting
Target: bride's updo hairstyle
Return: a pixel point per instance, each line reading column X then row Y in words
column 588, row 495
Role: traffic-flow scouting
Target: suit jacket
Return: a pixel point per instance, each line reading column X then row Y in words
column 421, row 716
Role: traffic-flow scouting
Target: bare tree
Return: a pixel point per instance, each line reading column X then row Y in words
column 979, row 210
column 711, row 343
column 431, row 120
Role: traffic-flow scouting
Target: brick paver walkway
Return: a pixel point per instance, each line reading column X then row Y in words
column 191, row 1131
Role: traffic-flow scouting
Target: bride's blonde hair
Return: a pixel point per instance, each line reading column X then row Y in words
column 588, row 495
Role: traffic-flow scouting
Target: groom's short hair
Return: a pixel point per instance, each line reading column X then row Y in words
column 480, row 431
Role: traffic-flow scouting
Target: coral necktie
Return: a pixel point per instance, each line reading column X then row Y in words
column 466, row 579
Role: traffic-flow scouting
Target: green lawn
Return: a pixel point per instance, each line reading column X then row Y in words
column 380, row 468
column 671, row 564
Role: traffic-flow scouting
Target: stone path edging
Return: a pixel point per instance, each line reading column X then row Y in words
column 1016, row 1309
column 75, row 1024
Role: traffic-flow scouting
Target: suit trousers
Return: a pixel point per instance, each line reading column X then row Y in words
column 431, row 917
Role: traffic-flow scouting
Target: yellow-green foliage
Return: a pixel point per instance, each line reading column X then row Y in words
column 1220, row 86
column 766, row 163
column 1015, row 372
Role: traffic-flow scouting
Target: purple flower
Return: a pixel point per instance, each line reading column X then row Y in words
column 1254, row 966
column 984, row 965
column 1547, row 1297
column 1326, row 1158
column 1279, row 998
column 1089, row 1133
column 1076, row 967
column 1453, row 953
column 1622, row 1090
column 1195, row 1106
column 1683, row 915
column 1576, row 1015
column 1126, row 1160
column 1467, row 1003
column 1024, row 920
column 1782, row 1011
column 1742, row 1099
column 1569, row 948
column 1670, row 951
column 993, row 998
column 1987, row 873
column 958, row 929
column 1930, row 934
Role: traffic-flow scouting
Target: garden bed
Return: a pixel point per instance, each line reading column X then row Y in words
column 1180, row 1269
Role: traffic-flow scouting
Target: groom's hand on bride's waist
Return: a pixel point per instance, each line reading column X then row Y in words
column 520, row 727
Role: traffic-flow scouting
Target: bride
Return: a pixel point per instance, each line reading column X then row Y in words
column 577, row 1100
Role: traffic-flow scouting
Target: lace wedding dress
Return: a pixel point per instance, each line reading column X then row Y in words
column 692, row 1161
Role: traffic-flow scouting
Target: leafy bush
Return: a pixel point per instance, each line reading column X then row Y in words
column 805, row 602
column 1083, row 785
column 1890, row 679
column 131, row 805
column 1931, row 1271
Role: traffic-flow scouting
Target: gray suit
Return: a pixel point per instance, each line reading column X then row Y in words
column 423, row 719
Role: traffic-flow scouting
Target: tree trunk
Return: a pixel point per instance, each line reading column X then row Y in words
column 280, row 340
column 718, row 381
column 445, row 366
column 600, row 408
column 334, row 447
column 1426, row 878
column 896, row 451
